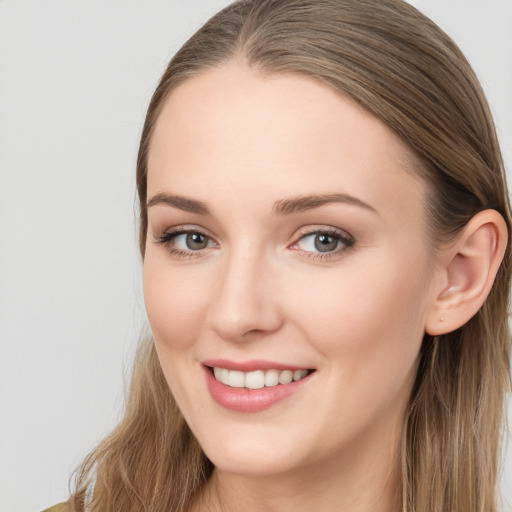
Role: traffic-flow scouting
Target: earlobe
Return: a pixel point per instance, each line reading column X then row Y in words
column 470, row 267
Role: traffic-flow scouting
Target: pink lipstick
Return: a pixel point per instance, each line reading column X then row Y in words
column 252, row 386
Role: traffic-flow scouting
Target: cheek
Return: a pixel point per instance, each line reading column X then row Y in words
column 368, row 332
column 368, row 317
column 176, row 304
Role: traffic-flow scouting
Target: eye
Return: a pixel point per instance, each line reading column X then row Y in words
column 319, row 243
column 185, row 242
column 191, row 241
column 324, row 242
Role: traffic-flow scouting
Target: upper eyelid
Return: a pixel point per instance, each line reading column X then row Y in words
column 328, row 230
column 182, row 229
column 176, row 230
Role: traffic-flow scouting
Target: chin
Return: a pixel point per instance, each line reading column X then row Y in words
column 251, row 456
column 262, row 465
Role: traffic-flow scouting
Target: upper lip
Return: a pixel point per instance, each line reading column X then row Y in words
column 252, row 365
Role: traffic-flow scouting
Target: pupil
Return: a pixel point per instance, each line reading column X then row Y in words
column 196, row 241
column 325, row 243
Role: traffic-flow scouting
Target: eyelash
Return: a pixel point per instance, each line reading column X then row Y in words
column 343, row 238
column 168, row 237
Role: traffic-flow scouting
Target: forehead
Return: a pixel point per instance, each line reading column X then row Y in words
column 232, row 129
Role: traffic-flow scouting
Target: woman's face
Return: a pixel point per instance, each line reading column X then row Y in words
column 287, row 240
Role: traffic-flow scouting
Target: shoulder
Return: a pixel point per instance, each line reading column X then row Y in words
column 61, row 507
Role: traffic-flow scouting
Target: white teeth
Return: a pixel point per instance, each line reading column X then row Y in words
column 257, row 379
column 299, row 374
column 286, row 377
column 271, row 378
column 224, row 375
column 236, row 379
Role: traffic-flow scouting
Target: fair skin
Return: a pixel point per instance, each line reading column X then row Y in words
column 343, row 288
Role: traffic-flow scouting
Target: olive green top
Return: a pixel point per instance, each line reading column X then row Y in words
column 61, row 507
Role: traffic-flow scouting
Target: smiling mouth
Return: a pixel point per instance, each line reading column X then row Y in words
column 258, row 379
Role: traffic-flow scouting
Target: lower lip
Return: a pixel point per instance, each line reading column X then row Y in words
column 250, row 400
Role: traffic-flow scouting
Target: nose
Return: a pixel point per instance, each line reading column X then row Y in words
column 245, row 304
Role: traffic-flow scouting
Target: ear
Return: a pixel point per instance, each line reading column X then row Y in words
column 467, row 272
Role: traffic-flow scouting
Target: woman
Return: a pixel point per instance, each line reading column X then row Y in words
column 324, row 227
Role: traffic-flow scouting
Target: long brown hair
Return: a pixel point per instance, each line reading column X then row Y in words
column 400, row 66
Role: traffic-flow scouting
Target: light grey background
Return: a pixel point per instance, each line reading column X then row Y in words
column 75, row 80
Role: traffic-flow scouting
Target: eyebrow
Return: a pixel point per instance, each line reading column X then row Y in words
column 180, row 202
column 299, row 204
column 281, row 207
